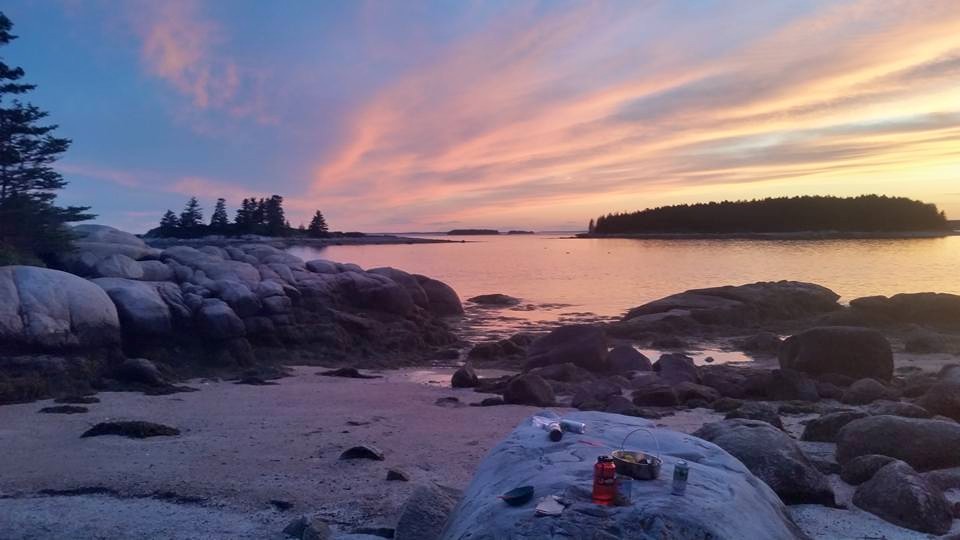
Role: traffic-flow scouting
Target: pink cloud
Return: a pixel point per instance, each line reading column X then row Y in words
column 182, row 47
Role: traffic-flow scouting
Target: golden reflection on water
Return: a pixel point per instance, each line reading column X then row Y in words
column 609, row 276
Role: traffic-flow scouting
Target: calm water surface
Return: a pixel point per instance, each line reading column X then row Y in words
column 609, row 276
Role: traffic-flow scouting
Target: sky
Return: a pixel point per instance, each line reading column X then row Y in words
column 428, row 116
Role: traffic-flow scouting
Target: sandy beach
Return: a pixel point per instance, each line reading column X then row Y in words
column 245, row 448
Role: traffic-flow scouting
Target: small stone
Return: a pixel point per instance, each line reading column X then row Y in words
column 448, row 401
column 364, row 451
column 347, row 373
column 64, row 409
column 132, row 429
column 398, row 475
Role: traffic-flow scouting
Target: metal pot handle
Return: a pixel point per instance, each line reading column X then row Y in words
column 652, row 434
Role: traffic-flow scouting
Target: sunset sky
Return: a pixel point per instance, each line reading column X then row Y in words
column 410, row 116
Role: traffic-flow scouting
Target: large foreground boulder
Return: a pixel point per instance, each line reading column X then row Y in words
column 857, row 352
column 899, row 495
column 720, row 492
column 774, row 457
column 580, row 344
column 924, row 444
column 44, row 310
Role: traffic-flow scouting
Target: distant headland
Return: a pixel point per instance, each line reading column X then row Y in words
column 866, row 216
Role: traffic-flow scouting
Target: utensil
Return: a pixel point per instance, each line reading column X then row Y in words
column 638, row 465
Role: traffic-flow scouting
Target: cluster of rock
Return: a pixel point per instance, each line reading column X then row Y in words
column 904, row 425
column 192, row 311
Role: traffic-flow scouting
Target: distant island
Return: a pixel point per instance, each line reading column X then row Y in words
column 521, row 232
column 472, row 232
column 806, row 214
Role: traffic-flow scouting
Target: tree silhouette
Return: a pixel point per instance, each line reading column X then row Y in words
column 318, row 226
column 30, row 223
column 866, row 213
column 274, row 220
column 192, row 215
column 169, row 224
column 219, row 222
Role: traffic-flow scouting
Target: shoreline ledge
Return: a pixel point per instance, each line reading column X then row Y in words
column 799, row 235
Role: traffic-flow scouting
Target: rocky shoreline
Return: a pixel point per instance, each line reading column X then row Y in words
column 820, row 414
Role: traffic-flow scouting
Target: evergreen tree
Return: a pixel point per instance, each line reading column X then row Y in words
column 318, row 226
column 274, row 221
column 30, row 222
column 244, row 216
column 219, row 222
column 591, row 227
column 258, row 214
column 192, row 215
column 169, row 224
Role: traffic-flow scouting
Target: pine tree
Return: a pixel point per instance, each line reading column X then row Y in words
column 192, row 215
column 591, row 227
column 274, row 220
column 30, row 222
column 169, row 224
column 318, row 226
column 258, row 214
column 219, row 222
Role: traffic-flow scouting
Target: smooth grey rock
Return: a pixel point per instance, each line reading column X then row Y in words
column 156, row 271
column 867, row 391
column 119, row 266
column 897, row 494
column 139, row 370
column 827, row 427
column 407, row 281
column 857, row 352
column 720, row 491
column 142, row 310
column 580, row 344
column 774, row 457
column 924, row 444
column 106, row 234
column 216, row 320
column 528, row 389
column 862, row 468
column 42, row 309
column 943, row 398
column 464, row 377
column 623, row 358
column 675, row 368
column 652, row 391
column 756, row 410
column 939, row 309
column 376, row 291
column 321, row 266
column 442, row 299
column 424, row 514
column 898, row 408
column 239, row 297
column 495, row 299
column 790, row 385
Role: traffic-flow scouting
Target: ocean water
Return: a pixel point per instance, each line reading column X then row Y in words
column 566, row 277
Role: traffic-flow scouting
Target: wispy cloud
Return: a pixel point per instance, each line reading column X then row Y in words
column 551, row 111
column 190, row 52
